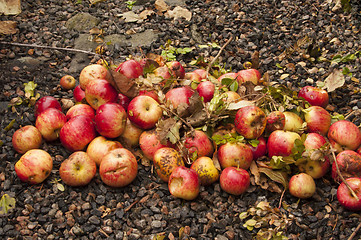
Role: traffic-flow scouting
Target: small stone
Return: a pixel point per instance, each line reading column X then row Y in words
column 94, row 220
column 156, row 224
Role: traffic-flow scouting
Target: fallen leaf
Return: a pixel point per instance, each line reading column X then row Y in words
column 161, row 6
column 335, row 80
column 255, row 59
column 10, row 7
column 123, row 84
column 8, row 27
column 239, row 104
column 144, row 15
column 179, row 12
column 130, row 16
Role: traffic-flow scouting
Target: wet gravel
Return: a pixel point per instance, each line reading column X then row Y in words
column 145, row 208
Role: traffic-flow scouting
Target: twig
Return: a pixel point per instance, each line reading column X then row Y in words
column 48, row 47
column 130, row 206
column 175, row 114
column 342, row 178
column 283, row 193
column 355, row 232
column 218, row 54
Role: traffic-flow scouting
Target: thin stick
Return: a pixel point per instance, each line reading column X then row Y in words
column 355, row 232
column 342, row 178
column 48, row 47
column 218, row 54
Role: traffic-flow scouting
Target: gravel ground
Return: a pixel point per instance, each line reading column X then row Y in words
column 145, row 209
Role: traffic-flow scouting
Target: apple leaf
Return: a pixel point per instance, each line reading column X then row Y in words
column 276, row 175
column 123, row 84
column 230, row 83
column 6, row 204
column 168, row 130
column 335, row 80
column 253, row 142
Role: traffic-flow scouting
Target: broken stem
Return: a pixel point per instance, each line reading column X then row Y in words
column 218, row 54
column 355, row 232
column 48, row 47
column 342, row 178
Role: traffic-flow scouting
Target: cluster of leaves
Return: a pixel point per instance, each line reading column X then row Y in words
column 30, row 96
column 270, row 222
column 170, row 52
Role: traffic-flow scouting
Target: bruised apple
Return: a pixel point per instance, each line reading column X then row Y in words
column 280, row 143
column 184, row 183
column 250, row 122
column 34, row 166
column 276, row 120
column 118, row 168
column 149, row 143
column 206, row 170
column 318, row 119
column 315, row 96
column 165, row 160
column 344, row 135
column 92, row 72
column 293, row 122
column 131, row 134
column 197, row 144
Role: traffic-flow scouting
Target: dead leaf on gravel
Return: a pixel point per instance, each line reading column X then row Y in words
column 8, row 27
column 130, row 17
column 179, row 12
column 144, row 15
column 255, row 59
column 161, row 6
column 10, row 7
column 335, row 80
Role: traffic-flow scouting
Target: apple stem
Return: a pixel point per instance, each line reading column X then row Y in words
column 342, row 178
column 218, row 54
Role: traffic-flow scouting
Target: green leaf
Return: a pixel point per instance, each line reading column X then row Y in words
column 227, row 81
column 253, row 142
column 234, row 86
column 203, row 46
column 6, row 203
column 60, row 187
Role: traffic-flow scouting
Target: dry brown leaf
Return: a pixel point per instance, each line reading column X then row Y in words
column 161, row 6
column 10, row 7
column 335, row 80
column 179, row 12
column 123, row 84
column 8, row 27
column 144, row 15
column 255, row 59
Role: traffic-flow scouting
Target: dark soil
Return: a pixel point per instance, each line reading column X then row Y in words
column 145, row 209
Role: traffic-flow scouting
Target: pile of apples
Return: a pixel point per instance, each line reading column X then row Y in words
column 107, row 124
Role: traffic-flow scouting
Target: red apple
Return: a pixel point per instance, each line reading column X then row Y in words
column 206, row 170
column 176, row 69
column 49, row 123
column 250, row 122
column 149, row 93
column 80, row 109
column 302, row 185
column 67, row 82
column 26, row 138
column 250, row 75
column 130, row 68
column 92, row 72
column 162, row 72
column 131, row 134
column 318, row 119
column 344, row 135
column 184, row 183
column 206, row 90
column 349, row 163
column 315, row 96
column 260, row 150
column 276, row 120
column 149, row 142
column 77, row 133
column 344, row 196
column 123, row 100
column 144, row 112
column 34, row 166
column 99, row 92
column 202, row 73
column 110, row 119
column 44, row 103
column 192, row 77
column 234, row 180
column 293, row 122
column 280, row 143
column 179, row 95
column 315, row 163
column 78, row 94
column 77, row 170
column 165, row 160
column 197, row 144
column 118, row 168
column 235, row 155
column 99, row 147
